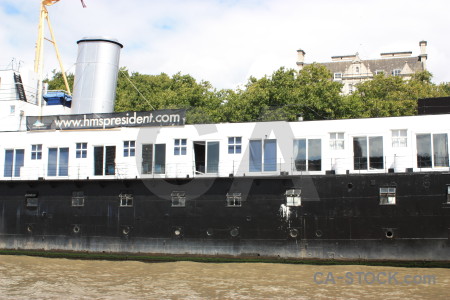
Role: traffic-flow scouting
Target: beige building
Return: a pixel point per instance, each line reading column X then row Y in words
column 351, row 69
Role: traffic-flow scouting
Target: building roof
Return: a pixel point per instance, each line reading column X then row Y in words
column 387, row 65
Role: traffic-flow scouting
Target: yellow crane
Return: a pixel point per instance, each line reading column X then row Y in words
column 38, row 62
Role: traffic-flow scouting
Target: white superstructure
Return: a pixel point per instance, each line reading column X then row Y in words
column 378, row 145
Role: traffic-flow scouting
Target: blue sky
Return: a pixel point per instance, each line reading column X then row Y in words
column 226, row 41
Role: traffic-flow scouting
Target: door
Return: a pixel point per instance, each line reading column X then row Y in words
column 104, row 160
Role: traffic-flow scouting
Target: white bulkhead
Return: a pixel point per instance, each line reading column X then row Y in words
column 377, row 145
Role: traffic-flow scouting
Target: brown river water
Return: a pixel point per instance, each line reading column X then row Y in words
column 23, row 277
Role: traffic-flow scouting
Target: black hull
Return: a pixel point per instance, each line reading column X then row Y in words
column 340, row 217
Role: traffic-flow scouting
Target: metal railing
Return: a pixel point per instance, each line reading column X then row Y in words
column 229, row 168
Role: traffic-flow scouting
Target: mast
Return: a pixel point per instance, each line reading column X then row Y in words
column 39, row 55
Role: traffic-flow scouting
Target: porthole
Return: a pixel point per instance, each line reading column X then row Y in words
column 126, row 230
column 293, row 233
column 389, row 234
column 177, row 232
column 30, row 228
column 210, row 232
column 76, row 229
column 234, row 232
column 319, row 233
column 350, row 185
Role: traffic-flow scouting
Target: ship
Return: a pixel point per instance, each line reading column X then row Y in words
column 75, row 176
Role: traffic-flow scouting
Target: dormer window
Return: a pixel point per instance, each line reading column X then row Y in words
column 357, row 69
column 337, row 76
column 396, row 72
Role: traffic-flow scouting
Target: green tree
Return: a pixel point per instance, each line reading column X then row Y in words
column 287, row 94
column 284, row 95
column 394, row 96
column 57, row 81
column 147, row 92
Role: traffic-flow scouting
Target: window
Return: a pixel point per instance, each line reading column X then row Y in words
column 350, row 88
column 147, row 158
column 263, row 158
column 396, row 72
column 12, row 109
column 368, row 153
column 432, row 150
column 31, row 199
column 356, row 69
column 399, row 138
column 378, row 72
column 337, row 76
column 126, row 200
column 293, row 197
column 448, row 194
column 104, row 160
column 81, row 150
column 78, row 198
column 36, row 152
column 31, row 202
column 180, row 147
column 14, row 161
column 308, row 154
column 387, row 195
column 234, row 145
column 153, row 158
column 178, row 199
column 234, row 199
column 337, row 140
column 129, row 148
column 58, row 162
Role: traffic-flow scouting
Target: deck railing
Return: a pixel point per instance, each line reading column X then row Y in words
column 348, row 165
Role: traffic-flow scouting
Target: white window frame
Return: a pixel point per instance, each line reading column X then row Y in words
column 388, row 195
column 396, row 72
column 234, row 146
column 398, row 139
column 234, row 199
column 337, row 141
column 293, row 197
column 36, row 152
column 337, row 76
column 180, row 147
column 129, row 148
column 434, row 162
column 81, row 150
column 78, row 199
column 126, row 200
column 178, row 198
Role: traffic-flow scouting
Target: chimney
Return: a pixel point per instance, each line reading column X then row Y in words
column 96, row 75
column 423, row 53
column 300, row 59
